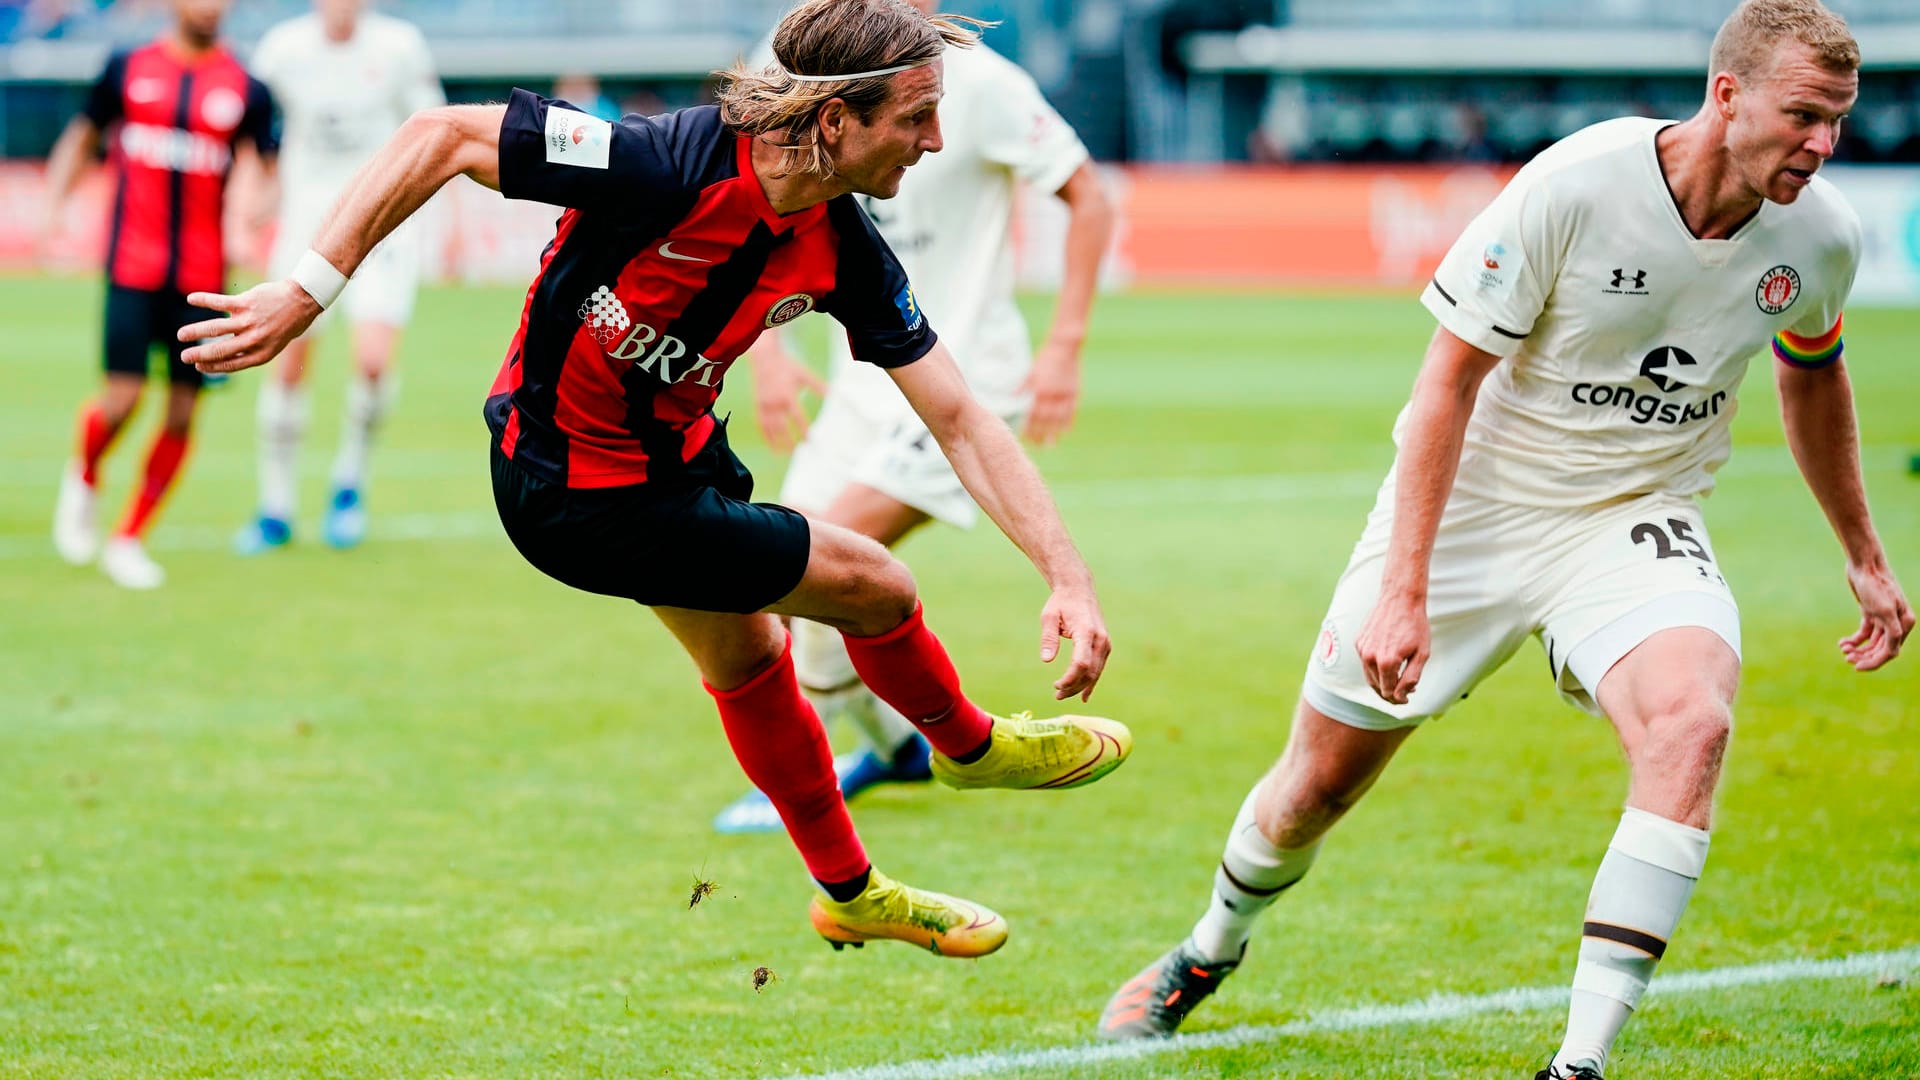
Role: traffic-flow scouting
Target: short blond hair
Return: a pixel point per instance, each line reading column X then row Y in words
column 829, row 37
column 1748, row 41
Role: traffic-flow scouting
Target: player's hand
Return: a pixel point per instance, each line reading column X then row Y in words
column 1073, row 613
column 45, row 234
column 1054, row 383
column 1885, row 618
column 777, row 382
column 255, row 326
column 1394, row 646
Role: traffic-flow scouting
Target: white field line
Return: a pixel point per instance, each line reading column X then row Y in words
column 1430, row 1010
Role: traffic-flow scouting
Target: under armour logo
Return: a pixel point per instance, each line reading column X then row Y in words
column 1621, row 277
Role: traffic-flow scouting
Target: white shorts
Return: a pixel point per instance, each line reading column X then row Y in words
column 1591, row 582
column 867, row 434
column 381, row 290
column 893, row 454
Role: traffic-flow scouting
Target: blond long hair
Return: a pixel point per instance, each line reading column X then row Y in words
column 827, row 37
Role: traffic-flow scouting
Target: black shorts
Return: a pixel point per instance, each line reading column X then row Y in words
column 137, row 319
column 691, row 541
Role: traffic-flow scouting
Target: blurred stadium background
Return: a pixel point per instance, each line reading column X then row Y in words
column 416, row 811
column 1254, row 141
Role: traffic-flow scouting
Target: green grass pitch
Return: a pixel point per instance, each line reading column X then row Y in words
column 417, row 811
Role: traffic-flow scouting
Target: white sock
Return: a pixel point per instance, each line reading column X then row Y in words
column 885, row 729
column 368, row 401
column 828, row 679
column 820, row 659
column 280, row 419
column 1252, row 874
column 1643, row 885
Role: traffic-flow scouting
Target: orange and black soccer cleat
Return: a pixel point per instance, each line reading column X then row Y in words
column 1151, row 1004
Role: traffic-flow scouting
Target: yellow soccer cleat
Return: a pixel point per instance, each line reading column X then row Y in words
column 1058, row 752
column 941, row 924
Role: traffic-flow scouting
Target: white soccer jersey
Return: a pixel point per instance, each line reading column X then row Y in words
column 1625, row 337
column 952, row 223
column 341, row 100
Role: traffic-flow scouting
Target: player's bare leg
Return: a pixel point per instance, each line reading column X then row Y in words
column 370, row 396
column 124, row 558
column 855, row 586
column 76, row 529
column 1325, row 769
column 781, row 745
column 280, row 422
column 894, row 751
column 1671, row 700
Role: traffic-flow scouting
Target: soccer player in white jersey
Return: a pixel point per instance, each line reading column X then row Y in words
column 1595, row 323
column 346, row 79
column 867, row 462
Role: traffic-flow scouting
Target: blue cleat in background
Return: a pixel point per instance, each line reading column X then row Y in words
column 858, row 770
column 346, row 523
column 261, row 535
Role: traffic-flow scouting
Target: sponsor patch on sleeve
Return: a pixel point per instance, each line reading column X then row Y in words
column 1499, row 269
column 574, row 138
column 909, row 307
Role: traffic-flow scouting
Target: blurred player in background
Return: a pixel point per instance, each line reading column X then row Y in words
column 176, row 111
column 867, row 462
column 687, row 236
column 345, row 79
column 1595, row 324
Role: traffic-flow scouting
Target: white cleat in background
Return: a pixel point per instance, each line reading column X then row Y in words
column 75, row 535
column 126, row 561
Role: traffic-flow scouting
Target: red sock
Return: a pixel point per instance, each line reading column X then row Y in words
column 908, row 668
column 95, row 437
column 163, row 464
column 778, row 739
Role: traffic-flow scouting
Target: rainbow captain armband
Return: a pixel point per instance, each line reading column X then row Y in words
column 1808, row 352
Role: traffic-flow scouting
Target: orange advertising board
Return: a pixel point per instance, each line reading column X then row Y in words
column 1313, row 225
column 1321, row 225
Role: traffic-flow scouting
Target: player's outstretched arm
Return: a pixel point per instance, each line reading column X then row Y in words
column 1395, row 643
column 778, row 378
column 431, row 148
column 996, row 472
column 76, row 146
column 1816, row 408
column 1054, row 381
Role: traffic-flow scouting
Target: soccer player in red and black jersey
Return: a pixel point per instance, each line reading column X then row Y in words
column 686, row 237
column 176, row 110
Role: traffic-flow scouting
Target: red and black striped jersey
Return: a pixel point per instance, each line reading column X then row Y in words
column 172, row 124
column 667, row 264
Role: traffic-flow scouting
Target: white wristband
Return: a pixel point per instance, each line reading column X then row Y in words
column 315, row 274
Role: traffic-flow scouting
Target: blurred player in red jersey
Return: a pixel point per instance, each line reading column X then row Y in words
column 175, row 110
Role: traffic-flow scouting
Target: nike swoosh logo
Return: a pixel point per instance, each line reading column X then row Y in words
column 667, row 252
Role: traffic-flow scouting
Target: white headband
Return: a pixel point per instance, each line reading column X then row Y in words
column 797, row 77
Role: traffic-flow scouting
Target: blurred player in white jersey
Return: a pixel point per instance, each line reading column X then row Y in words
column 867, row 462
column 1595, row 323
column 345, row 78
